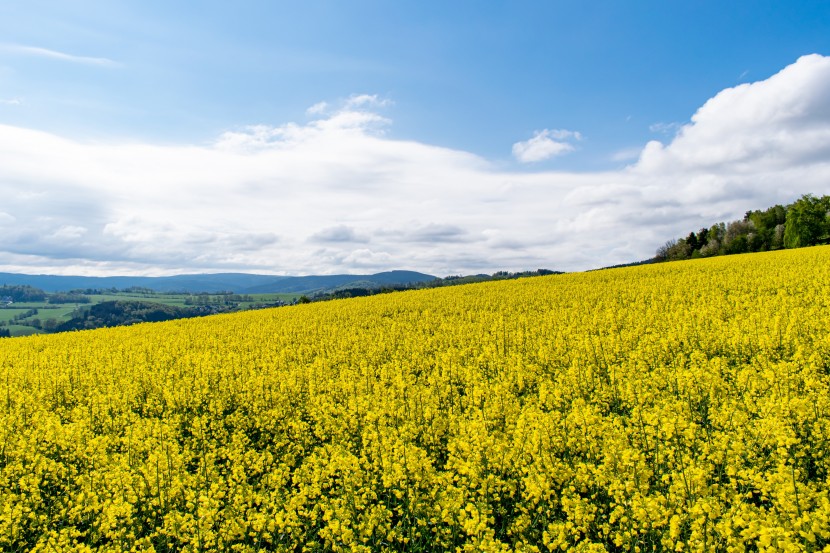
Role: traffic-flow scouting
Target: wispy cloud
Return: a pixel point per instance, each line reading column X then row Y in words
column 11, row 101
column 318, row 109
column 37, row 51
column 334, row 195
column 545, row 144
column 664, row 128
column 356, row 101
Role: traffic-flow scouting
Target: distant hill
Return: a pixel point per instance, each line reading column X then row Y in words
column 239, row 283
column 318, row 284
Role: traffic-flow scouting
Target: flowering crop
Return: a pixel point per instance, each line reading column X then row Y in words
column 674, row 407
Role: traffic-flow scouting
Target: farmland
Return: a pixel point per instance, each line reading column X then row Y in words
column 35, row 317
column 673, row 407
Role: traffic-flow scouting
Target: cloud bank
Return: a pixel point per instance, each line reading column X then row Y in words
column 336, row 194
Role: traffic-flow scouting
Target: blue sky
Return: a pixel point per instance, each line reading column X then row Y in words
column 363, row 106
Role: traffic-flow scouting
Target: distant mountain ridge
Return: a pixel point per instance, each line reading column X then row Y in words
column 239, row 283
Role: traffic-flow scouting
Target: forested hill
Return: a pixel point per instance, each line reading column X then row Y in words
column 120, row 313
column 239, row 283
column 805, row 222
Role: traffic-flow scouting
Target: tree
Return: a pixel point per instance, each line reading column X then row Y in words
column 662, row 253
column 777, row 237
column 736, row 239
column 714, row 239
column 806, row 222
column 674, row 250
column 693, row 241
column 23, row 293
column 702, row 237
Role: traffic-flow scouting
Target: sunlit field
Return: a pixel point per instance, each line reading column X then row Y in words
column 673, row 407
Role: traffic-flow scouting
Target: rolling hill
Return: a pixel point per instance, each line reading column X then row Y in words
column 239, row 283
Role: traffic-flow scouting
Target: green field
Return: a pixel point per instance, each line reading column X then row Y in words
column 20, row 330
column 8, row 314
column 64, row 312
column 167, row 299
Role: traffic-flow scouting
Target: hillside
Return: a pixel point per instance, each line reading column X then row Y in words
column 25, row 310
column 119, row 313
column 652, row 408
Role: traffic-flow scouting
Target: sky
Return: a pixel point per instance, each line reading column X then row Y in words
column 324, row 137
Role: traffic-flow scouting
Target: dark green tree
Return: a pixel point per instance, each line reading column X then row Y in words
column 765, row 223
column 692, row 241
column 806, row 222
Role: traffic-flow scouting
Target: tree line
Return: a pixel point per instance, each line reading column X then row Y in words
column 451, row 280
column 30, row 294
column 22, row 294
column 805, row 222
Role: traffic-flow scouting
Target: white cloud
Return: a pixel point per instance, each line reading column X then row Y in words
column 11, row 101
column 336, row 194
column 56, row 55
column 771, row 124
column 356, row 103
column 366, row 101
column 318, row 109
column 545, row 144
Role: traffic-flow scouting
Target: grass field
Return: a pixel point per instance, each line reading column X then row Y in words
column 63, row 312
column 8, row 314
column 124, row 296
column 21, row 330
column 672, row 407
column 45, row 311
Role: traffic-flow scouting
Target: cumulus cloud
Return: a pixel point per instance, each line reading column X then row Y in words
column 545, row 144
column 776, row 122
column 337, row 194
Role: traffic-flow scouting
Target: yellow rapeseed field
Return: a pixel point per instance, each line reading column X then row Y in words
column 674, row 407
